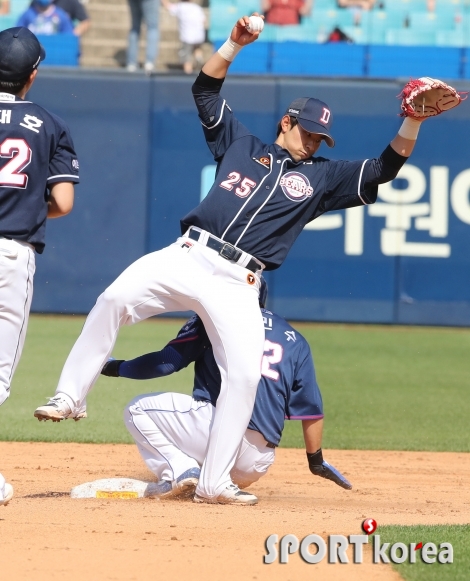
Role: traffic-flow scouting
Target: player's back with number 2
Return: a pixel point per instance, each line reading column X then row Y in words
column 38, row 170
column 28, row 135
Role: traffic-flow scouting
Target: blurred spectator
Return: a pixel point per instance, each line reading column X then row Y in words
column 356, row 6
column 192, row 31
column 337, row 35
column 4, row 7
column 143, row 11
column 78, row 15
column 431, row 5
column 42, row 17
column 285, row 12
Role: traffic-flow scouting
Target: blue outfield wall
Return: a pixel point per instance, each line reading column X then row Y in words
column 144, row 164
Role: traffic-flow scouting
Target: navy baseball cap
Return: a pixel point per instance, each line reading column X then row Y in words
column 20, row 53
column 314, row 116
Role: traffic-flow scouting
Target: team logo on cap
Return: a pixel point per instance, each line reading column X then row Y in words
column 296, row 186
column 326, row 116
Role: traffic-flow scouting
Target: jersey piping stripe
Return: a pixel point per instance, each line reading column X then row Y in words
column 359, row 184
column 218, row 120
column 317, row 417
column 248, row 200
column 265, row 201
column 64, row 175
column 15, row 102
column 184, row 340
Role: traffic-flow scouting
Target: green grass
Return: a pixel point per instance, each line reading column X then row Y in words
column 457, row 535
column 391, row 388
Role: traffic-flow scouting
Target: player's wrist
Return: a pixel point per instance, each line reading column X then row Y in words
column 229, row 50
column 409, row 129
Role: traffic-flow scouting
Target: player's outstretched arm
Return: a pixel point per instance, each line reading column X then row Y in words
column 313, row 431
column 60, row 200
column 218, row 64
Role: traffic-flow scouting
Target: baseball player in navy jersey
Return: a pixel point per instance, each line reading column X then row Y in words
column 262, row 197
column 38, row 170
column 171, row 430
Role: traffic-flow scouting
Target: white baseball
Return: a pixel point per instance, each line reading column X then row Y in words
column 256, row 24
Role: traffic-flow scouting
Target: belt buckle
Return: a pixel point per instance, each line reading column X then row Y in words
column 229, row 252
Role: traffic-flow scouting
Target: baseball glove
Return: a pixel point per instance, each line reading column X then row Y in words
column 426, row 97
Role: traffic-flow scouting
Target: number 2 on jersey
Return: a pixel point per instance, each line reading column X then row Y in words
column 273, row 353
column 19, row 153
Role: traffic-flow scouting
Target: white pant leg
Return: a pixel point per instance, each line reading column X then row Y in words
column 17, row 266
column 253, row 460
column 234, row 324
column 148, row 287
column 171, row 431
column 191, row 278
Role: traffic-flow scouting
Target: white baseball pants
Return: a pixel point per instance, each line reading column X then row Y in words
column 172, row 431
column 17, row 266
column 184, row 276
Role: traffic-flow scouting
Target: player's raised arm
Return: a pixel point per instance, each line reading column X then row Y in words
column 246, row 30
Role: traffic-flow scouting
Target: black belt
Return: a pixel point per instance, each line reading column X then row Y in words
column 270, row 445
column 226, row 250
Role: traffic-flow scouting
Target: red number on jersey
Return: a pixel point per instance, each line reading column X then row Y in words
column 18, row 151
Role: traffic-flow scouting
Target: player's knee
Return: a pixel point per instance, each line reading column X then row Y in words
column 112, row 297
column 243, row 478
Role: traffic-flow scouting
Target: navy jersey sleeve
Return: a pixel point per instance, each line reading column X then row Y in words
column 221, row 127
column 355, row 183
column 188, row 346
column 191, row 341
column 63, row 164
column 305, row 401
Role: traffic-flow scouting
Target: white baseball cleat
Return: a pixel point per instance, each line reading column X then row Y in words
column 57, row 409
column 7, row 494
column 231, row 495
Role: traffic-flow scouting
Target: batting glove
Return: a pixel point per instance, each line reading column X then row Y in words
column 111, row 367
column 329, row 472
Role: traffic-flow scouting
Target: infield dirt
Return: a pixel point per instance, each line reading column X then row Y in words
column 47, row 535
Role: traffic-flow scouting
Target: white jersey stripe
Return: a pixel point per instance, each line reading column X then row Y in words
column 248, row 199
column 359, row 184
column 218, row 120
column 65, row 175
column 266, row 200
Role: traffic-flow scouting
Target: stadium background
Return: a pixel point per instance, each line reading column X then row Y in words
column 144, row 162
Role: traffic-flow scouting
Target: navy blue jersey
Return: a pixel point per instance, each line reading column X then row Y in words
column 36, row 151
column 261, row 199
column 288, row 388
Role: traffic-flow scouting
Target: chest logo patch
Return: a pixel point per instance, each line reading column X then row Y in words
column 296, row 186
column 265, row 161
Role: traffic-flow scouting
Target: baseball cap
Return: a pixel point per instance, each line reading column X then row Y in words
column 314, row 116
column 20, row 53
